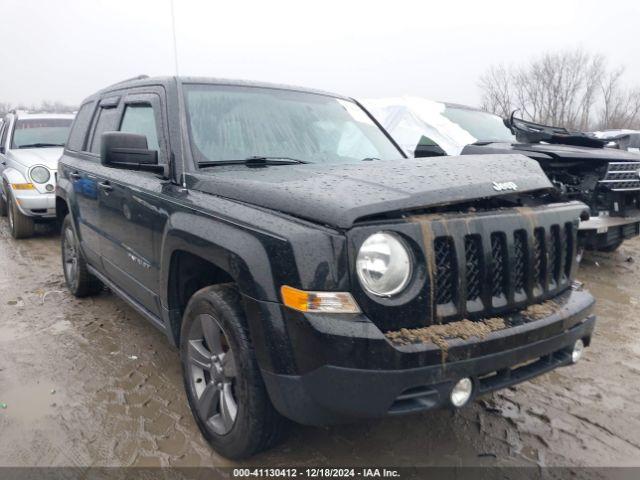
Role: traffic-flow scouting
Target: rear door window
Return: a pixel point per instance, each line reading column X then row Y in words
column 107, row 122
column 80, row 127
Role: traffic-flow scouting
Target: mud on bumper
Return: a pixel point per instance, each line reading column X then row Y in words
column 337, row 393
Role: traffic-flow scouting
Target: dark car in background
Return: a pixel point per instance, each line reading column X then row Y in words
column 304, row 267
column 578, row 165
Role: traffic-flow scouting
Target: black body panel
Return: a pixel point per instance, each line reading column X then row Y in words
column 338, row 195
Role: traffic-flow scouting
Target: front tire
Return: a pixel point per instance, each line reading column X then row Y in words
column 222, row 380
column 76, row 274
column 20, row 225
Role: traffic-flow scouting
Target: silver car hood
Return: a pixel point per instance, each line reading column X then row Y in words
column 37, row 156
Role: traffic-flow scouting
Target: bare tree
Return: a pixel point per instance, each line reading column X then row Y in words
column 496, row 87
column 573, row 89
column 620, row 107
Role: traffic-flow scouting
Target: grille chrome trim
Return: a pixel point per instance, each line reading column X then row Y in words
column 622, row 176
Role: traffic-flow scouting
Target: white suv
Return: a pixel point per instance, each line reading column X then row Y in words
column 30, row 146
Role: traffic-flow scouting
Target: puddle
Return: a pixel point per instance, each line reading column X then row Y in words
column 29, row 403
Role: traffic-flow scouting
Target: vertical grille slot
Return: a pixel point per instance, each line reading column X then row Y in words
column 539, row 263
column 473, row 257
column 498, row 264
column 519, row 261
column 568, row 249
column 446, row 270
column 555, row 258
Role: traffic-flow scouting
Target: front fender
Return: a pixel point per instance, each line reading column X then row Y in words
column 11, row 175
column 240, row 252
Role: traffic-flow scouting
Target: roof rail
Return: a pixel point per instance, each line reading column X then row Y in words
column 138, row 77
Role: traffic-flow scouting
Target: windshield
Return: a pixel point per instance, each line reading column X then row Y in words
column 228, row 123
column 41, row 132
column 485, row 127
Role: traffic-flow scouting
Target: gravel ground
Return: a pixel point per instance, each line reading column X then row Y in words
column 91, row 383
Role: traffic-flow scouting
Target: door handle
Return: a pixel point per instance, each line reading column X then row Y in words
column 75, row 175
column 105, row 186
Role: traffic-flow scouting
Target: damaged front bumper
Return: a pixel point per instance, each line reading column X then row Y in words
column 350, row 370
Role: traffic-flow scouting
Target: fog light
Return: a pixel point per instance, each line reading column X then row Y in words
column 461, row 392
column 578, row 350
column 49, row 188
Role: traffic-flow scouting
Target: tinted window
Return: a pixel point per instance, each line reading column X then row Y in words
column 80, row 127
column 140, row 119
column 40, row 132
column 234, row 123
column 107, row 122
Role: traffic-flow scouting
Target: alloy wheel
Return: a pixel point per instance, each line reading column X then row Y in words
column 212, row 374
column 70, row 256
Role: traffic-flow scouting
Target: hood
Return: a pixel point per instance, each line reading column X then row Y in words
column 554, row 152
column 338, row 195
column 37, row 156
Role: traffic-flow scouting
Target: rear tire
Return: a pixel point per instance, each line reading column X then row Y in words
column 222, row 379
column 20, row 225
column 79, row 281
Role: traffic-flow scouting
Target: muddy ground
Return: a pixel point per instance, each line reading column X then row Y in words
column 91, row 383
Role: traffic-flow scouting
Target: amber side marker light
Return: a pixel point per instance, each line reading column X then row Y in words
column 22, row 186
column 326, row 302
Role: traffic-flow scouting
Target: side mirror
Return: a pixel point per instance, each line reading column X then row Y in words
column 128, row 151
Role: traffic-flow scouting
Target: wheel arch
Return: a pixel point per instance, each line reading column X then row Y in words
column 12, row 175
column 62, row 208
column 191, row 262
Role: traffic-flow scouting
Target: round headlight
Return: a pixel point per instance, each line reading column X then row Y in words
column 40, row 174
column 383, row 264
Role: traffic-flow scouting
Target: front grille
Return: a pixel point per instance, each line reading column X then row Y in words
column 539, row 258
column 519, row 261
column 567, row 251
column 473, row 256
column 445, row 270
column 498, row 264
column 622, row 176
column 554, row 265
column 523, row 266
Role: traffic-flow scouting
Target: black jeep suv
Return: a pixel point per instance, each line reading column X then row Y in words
column 303, row 266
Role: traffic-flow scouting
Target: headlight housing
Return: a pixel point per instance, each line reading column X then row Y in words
column 40, row 174
column 384, row 264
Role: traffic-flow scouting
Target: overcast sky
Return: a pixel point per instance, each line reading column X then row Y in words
column 66, row 49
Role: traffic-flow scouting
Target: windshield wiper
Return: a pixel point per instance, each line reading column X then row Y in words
column 255, row 161
column 41, row 145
